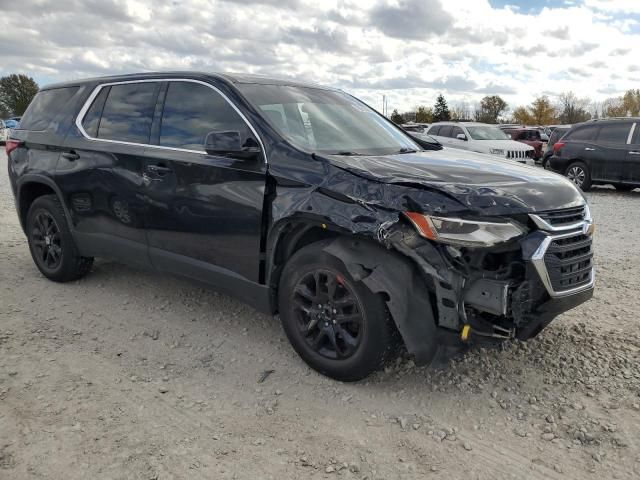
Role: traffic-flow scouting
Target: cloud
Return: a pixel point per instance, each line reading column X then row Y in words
column 412, row 19
column 408, row 50
column 561, row 33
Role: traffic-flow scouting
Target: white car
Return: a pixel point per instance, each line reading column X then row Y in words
column 4, row 132
column 481, row 138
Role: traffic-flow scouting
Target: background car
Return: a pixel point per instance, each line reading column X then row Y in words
column 4, row 132
column 528, row 136
column 11, row 123
column 600, row 151
column 556, row 135
column 481, row 138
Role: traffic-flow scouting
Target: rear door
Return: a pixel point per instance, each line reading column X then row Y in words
column 581, row 145
column 204, row 212
column 612, row 151
column 101, row 170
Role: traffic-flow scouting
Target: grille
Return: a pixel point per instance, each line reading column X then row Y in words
column 566, row 216
column 516, row 154
column 569, row 262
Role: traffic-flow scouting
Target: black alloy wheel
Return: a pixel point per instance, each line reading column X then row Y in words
column 335, row 323
column 46, row 240
column 51, row 242
column 328, row 314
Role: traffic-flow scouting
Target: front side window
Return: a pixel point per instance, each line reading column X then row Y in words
column 455, row 131
column 487, row 133
column 615, row 133
column 191, row 111
column 325, row 121
column 128, row 112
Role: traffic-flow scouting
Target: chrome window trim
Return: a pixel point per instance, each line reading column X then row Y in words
column 538, row 262
column 630, row 137
column 96, row 91
column 542, row 224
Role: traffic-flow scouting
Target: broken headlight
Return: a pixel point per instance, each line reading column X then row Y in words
column 466, row 233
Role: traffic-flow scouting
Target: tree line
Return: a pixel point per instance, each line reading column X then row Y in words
column 16, row 92
column 566, row 108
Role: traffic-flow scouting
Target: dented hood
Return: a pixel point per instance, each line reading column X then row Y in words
column 479, row 182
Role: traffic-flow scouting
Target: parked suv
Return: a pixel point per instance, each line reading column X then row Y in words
column 557, row 133
column 481, row 138
column 303, row 201
column 600, row 151
column 528, row 136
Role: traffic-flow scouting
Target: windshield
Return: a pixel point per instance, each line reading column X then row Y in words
column 487, row 133
column 326, row 121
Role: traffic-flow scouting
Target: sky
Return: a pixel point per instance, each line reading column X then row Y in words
column 408, row 50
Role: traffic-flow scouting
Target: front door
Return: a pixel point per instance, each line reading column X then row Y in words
column 612, row 150
column 204, row 212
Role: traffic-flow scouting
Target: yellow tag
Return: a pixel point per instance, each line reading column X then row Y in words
column 465, row 332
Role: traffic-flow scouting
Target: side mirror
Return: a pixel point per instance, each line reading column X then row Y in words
column 461, row 136
column 230, row 144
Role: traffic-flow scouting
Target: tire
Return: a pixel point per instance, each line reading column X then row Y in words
column 310, row 313
column 623, row 187
column 51, row 244
column 579, row 174
column 545, row 163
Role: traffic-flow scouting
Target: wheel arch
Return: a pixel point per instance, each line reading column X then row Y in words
column 31, row 187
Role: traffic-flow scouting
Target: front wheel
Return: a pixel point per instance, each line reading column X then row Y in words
column 579, row 174
column 336, row 324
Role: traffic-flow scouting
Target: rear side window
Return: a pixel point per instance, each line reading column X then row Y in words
column 434, row 130
column 445, row 131
column 583, row 134
column 128, row 112
column 615, row 133
column 45, row 108
column 191, row 111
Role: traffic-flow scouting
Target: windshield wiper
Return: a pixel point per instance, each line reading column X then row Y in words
column 406, row 150
column 346, row 153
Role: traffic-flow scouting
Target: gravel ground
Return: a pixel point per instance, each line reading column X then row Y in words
column 127, row 374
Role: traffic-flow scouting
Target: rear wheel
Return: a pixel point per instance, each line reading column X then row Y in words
column 50, row 242
column 579, row 174
column 337, row 325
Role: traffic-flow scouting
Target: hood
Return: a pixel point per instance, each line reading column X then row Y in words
column 480, row 183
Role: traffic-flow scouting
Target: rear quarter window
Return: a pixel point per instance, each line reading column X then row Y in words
column 45, row 108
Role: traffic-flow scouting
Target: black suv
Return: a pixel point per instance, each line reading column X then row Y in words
column 303, row 201
column 600, row 151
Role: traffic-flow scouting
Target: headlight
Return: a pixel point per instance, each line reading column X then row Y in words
column 497, row 151
column 466, row 233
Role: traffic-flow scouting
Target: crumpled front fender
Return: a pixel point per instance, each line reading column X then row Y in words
column 396, row 277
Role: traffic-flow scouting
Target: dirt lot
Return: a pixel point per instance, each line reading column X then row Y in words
column 127, row 374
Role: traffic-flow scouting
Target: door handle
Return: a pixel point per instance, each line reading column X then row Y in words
column 589, row 149
column 633, row 152
column 70, row 155
column 158, row 169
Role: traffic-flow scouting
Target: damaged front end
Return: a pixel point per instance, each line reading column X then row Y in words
column 511, row 289
column 447, row 293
